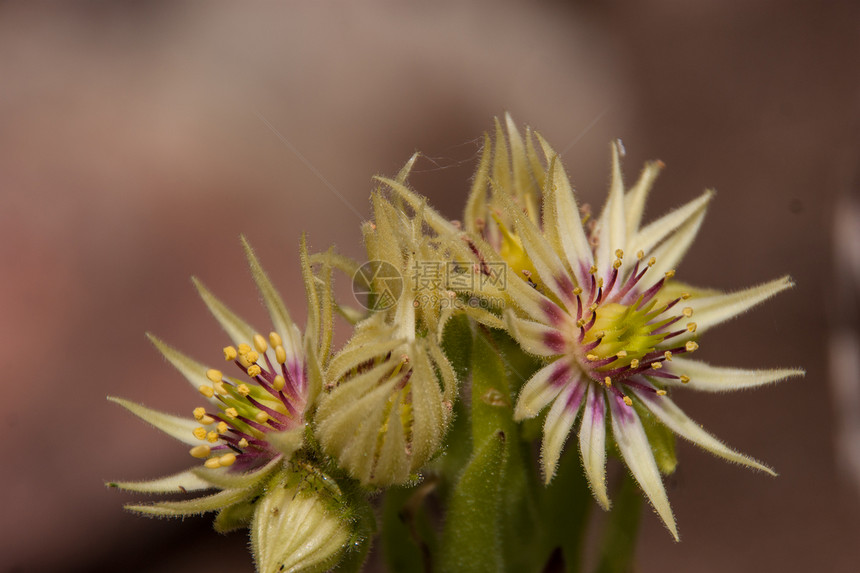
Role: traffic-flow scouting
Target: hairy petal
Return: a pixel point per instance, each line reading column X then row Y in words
column 592, row 444
column 557, row 426
column 707, row 378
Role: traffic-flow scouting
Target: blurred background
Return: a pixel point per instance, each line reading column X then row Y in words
column 139, row 139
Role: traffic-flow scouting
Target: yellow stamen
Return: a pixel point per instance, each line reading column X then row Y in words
column 254, row 370
column 280, row 354
column 640, row 255
column 262, row 417
column 652, row 261
column 199, row 433
column 619, row 253
column 230, row 353
column 656, row 365
column 691, row 326
column 199, row 413
column 580, row 323
column 621, row 353
column 670, row 274
column 212, row 463
column 592, row 357
column 222, row 427
column 600, row 282
column 212, row 437
column 275, row 339
column 260, row 343
column 219, row 387
column 207, row 391
column 685, row 379
column 607, row 381
column 252, row 357
column 691, row 346
column 243, row 443
column 577, row 291
column 243, row 388
column 685, row 295
column 634, row 363
column 661, row 392
column 231, row 413
column 244, row 349
column 592, row 270
column 214, row 375
column 226, row 460
column 206, row 420
column 668, row 355
column 617, row 264
column 627, row 400
column 688, row 312
column 278, row 383
column 200, row 451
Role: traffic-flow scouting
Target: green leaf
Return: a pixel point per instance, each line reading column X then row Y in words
column 406, row 544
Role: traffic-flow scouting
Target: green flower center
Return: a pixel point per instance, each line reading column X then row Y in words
column 625, row 332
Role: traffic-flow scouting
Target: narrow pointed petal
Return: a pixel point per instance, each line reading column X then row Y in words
column 670, row 253
column 476, row 205
column 677, row 421
column 711, row 311
column 543, row 387
column 634, row 200
column 193, row 371
column 545, row 260
column 658, row 231
column 278, row 312
column 557, row 426
column 237, row 329
column 592, row 444
column 173, row 426
column 522, row 179
column 636, row 451
column 192, row 506
column 535, row 338
column 612, row 224
column 182, row 482
column 223, row 478
column 707, row 378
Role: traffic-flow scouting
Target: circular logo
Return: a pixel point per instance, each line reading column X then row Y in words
column 377, row 285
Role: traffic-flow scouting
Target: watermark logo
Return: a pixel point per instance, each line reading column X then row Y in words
column 377, row 285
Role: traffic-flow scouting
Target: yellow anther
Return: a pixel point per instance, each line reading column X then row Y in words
column 253, row 371
column 212, row 463
column 691, row 326
column 685, row 379
column 607, row 381
column 220, row 389
column 621, row 353
column 656, row 365
column 243, row 389
column 252, row 357
column 212, row 437
column 577, row 291
column 627, row 400
column 231, row 413
column 262, row 417
column 260, row 343
column 592, row 357
column 652, row 261
column 226, row 460
column 278, row 383
column 244, row 349
column 688, row 311
column 691, row 346
column 580, row 323
column 243, row 443
column 668, row 355
column 230, row 353
column 661, row 392
column 214, row 375
column 275, row 339
column 670, row 274
column 593, row 307
column 280, row 354
column 200, row 452
column 685, row 295
column 640, row 255
column 600, row 282
column 199, row 413
column 617, row 264
column 222, row 427
column 199, row 433
column 619, row 253
column 634, row 363
column 206, row 420
column 592, row 270
column 207, row 391
column 527, row 273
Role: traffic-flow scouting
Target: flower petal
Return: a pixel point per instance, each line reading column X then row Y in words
column 592, row 444
column 194, row 371
column 177, row 483
column 672, row 250
column 237, row 329
column 636, row 451
column 711, row 311
column 677, row 421
column 707, row 378
column 661, row 229
column 634, row 200
column 535, row 338
column 173, row 426
column 612, row 224
column 557, row 426
column 543, row 387
column 194, row 506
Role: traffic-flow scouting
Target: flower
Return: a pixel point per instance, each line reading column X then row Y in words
column 602, row 308
column 251, row 432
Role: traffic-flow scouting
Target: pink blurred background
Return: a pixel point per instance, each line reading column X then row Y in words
column 133, row 152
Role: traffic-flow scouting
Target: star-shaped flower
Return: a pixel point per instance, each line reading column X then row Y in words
column 603, row 310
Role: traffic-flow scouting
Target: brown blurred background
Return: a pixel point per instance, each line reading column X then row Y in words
column 134, row 150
